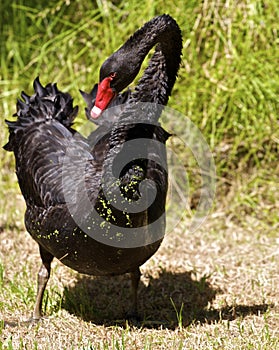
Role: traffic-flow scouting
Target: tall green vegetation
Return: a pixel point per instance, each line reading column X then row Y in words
column 228, row 84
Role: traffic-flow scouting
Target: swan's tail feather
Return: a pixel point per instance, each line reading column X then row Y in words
column 46, row 104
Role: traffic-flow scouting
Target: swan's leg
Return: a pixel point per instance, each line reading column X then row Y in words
column 135, row 278
column 43, row 277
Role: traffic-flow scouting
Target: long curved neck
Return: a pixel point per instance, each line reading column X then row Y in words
column 159, row 77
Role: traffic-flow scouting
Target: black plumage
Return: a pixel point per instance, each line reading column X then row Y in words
column 98, row 204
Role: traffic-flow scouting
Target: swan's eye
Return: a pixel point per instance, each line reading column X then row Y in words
column 113, row 75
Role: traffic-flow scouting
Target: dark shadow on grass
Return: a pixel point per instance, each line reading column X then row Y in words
column 105, row 300
column 166, row 301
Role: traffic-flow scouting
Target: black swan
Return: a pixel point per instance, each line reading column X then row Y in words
column 79, row 191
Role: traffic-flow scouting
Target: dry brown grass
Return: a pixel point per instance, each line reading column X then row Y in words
column 211, row 289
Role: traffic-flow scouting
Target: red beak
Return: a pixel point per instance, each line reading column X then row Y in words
column 104, row 96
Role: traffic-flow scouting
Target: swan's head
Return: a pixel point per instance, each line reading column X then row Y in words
column 116, row 73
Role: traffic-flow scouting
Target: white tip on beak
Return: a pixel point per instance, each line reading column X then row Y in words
column 95, row 112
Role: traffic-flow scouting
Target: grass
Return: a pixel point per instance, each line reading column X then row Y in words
column 218, row 291
column 214, row 288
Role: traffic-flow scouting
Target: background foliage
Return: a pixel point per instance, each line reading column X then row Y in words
column 228, row 83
